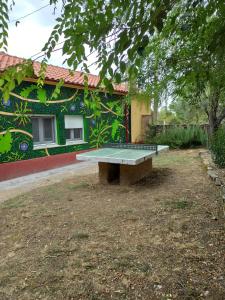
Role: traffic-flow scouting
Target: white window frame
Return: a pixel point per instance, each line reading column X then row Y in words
column 72, row 138
column 41, row 130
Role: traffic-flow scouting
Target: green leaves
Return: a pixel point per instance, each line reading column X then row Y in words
column 123, row 67
column 117, row 32
column 108, row 84
column 217, row 146
column 100, row 134
column 1, row 82
column 41, row 93
column 41, row 73
column 192, row 39
column 5, row 142
column 22, row 113
column 4, row 19
column 115, row 126
column 26, row 91
column 57, row 89
column 14, row 76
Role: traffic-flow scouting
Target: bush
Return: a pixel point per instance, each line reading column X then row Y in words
column 217, row 147
column 179, row 137
column 151, row 131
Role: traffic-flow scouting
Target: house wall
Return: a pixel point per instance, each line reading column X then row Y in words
column 139, row 110
column 16, row 142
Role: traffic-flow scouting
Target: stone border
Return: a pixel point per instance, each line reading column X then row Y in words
column 214, row 175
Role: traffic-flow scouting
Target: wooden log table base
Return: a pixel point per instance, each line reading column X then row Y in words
column 124, row 174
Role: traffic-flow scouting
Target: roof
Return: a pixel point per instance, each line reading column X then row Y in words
column 54, row 73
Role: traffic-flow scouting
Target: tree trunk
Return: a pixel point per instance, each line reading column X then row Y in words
column 213, row 112
column 213, row 123
column 155, row 111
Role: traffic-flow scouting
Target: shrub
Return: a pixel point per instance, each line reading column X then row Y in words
column 217, row 147
column 151, row 131
column 179, row 137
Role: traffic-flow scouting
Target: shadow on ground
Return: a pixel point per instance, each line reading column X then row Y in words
column 78, row 239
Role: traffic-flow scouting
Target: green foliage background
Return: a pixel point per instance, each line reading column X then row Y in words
column 112, row 124
column 217, row 146
column 178, row 137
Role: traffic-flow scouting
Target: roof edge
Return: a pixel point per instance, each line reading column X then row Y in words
column 5, row 63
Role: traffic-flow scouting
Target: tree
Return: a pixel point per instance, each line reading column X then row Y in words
column 186, row 113
column 118, row 31
column 152, row 79
column 167, row 116
column 189, row 35
column 193, row 40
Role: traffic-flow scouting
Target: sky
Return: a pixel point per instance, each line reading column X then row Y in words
column 29, row 36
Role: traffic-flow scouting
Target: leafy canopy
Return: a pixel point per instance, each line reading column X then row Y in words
column 117, row 31
column 191, row 44
column 184, row 60
column 186, row 39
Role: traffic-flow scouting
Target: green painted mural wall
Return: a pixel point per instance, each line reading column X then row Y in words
column 16, row 142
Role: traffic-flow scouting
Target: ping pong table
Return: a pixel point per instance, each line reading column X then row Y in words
column 126, row 163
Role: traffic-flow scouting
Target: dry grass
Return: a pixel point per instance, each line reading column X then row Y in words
column 159, row 239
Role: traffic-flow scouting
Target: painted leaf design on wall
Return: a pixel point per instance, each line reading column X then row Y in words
column 22, row 113
column 99, row 134
column 42, row 96
column 115, row 127
column 26, row 91
column 103, row 119
column 5, row 142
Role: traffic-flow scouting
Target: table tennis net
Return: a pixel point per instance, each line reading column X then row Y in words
column 151, row 147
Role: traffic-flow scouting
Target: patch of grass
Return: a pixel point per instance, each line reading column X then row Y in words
column 172, row 159
column 54, row 250
column 124, row 263
column 13, row 203
column 145, row 268
column 130, row 263
column 179, row 204
column 76, row 263
column 80, row 235
column 77, row 186
column 124, row 212
column 4, row 281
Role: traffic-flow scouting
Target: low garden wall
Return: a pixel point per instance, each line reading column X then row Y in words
column 217, row 175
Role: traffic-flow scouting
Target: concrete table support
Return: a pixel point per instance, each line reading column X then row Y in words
column 108, row 172
column 124, row 174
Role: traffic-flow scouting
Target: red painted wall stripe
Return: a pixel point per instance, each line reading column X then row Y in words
column 25, row 167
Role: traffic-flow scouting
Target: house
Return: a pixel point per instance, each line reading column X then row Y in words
column 141, row 117
column 36, row 136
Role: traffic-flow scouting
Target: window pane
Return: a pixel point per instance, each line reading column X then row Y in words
column 48, row 129
column 68, row 134
column 77, row 133
column 35, row 130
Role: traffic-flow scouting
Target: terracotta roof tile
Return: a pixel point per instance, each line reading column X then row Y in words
column 54, row 73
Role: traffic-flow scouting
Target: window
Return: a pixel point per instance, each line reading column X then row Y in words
column 43, row 129
column 74, row 128
column 74, row 134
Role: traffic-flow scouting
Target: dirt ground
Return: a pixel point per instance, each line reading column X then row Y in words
column 159, row 239
column 21, row 185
